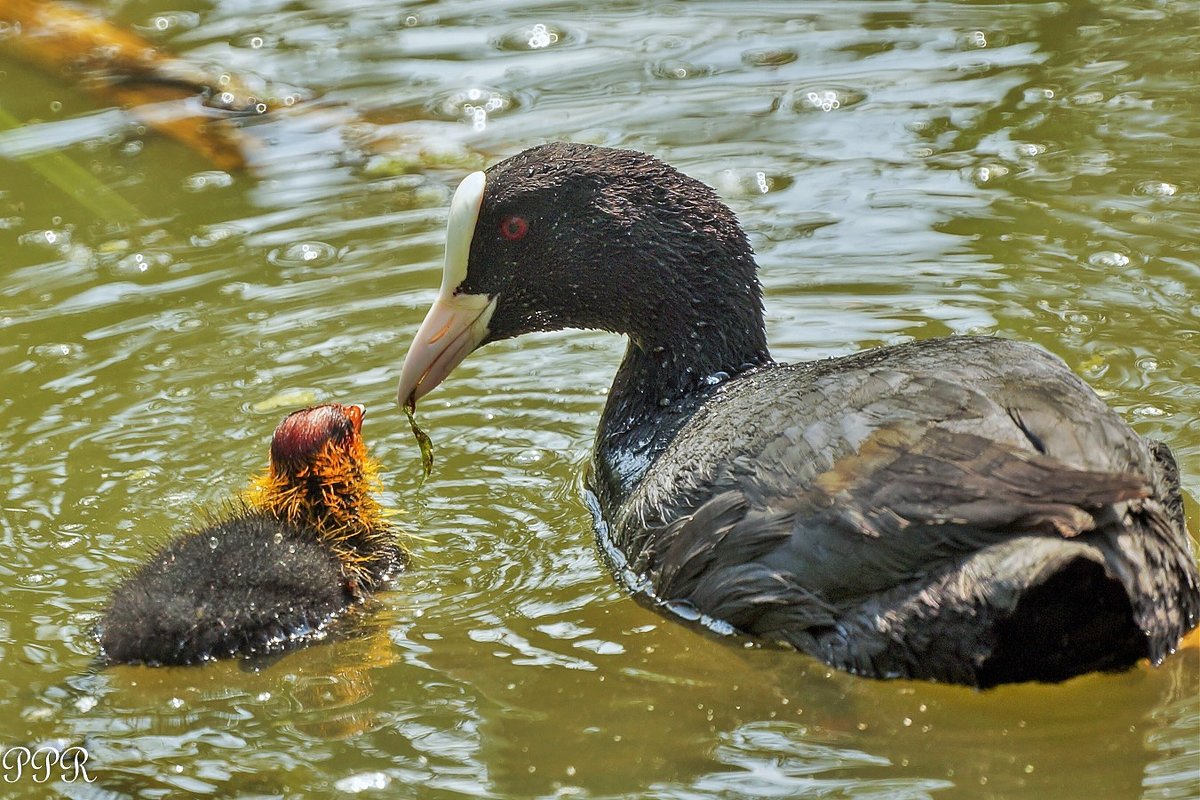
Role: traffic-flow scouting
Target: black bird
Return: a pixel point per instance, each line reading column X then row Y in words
column 307, row 541
column 962, row 509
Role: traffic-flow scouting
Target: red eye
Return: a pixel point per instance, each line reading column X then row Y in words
column 513, row 228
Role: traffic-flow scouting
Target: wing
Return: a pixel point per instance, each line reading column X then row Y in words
column 803, row 492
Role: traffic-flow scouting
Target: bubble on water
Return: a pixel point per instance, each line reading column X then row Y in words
column 750, row 182
column 1108, row 258
column 363, row 782
column 36, row 578
column 141, row 263
column 58, row 239
column 975, row 40
column 475, row 106
column 768, row 57
column 826, row 99
column 676, row 70
column 1156, row 189
column 303, row 254
column 1149, row 411
column 988, row 173
column 56, row 351
column 207, row 180
column 169, row 22
column 1037, row 95
column 533, row 37
column 214, row 234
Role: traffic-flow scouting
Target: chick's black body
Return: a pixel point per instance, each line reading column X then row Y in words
column 961, row 509
column 247, row 584
column 306, row 543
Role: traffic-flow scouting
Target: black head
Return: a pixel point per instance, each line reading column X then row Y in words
column 572, row 235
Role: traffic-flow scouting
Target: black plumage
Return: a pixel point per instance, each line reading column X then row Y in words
column 961, row 509
column 306, row 542
column 244, row 585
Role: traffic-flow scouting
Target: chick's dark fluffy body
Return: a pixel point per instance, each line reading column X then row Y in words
column 247, row 584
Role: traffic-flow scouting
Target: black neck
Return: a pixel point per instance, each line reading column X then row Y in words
column 665, row 376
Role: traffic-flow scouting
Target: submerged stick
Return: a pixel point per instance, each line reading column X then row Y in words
column 423, row 440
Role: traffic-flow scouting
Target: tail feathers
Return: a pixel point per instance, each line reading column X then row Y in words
column 1031, row 608
column 1156, row 566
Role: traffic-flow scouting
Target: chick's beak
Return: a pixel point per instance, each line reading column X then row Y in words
column 355, row 413
column 457, row 322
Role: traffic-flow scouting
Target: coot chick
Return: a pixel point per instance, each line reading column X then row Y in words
column 961, row 509
column 307, row 541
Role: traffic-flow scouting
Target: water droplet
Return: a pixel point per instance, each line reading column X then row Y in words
column 212, row 543
column 277, row 538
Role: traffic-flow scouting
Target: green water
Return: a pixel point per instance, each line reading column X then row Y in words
column 905, row 169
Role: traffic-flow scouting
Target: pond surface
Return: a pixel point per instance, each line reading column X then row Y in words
column 905, row 170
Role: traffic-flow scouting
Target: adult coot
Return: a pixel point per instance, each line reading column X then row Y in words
column 307, row 541
column 961, row 509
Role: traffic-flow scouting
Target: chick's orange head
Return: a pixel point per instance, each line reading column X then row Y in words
column 304, row 434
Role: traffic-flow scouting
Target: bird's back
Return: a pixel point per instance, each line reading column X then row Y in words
column 867, row 507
